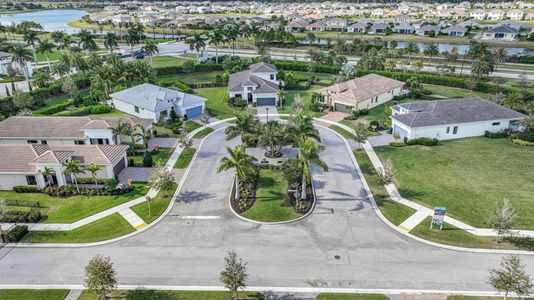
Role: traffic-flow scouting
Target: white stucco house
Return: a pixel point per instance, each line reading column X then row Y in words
column 258, row 85
column 515, row 14
column 122, row 19
column 495, row 15
column 22, row 164
column 361, row 93
column 502, row 32
column 452, row 118
column 6, row 60
column 65, row 130
column 478, row 14
column 153, row 102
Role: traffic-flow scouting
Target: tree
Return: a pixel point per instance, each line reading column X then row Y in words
column 160, row 179
column 502, row 218
column 513, row 100
column 93, row 169
column 143, row 134
column 242, row 162
column 245, row 126
column 271, row 138
column 23, row 100
column 197, row 43
column 119, row 129
column 21, row 56
column 72, row 168
column 410, row 49
column 69, row 87
column 189, row 68
column 46, row 48
column 48, row 172
column 110, row 41
column 65, row 42
column 150, row 48
column 216, row 38
column 30, row 37
column 205, row 118
column 480, row 68
column 500, row 55
column 390, row 64
column 100, row 275
column 87, row 41
column 301, row 125
column 431, row 51
column 133, row 36
column 417, row 65
column 386, row 173
column 235, row 274
column 311, row 37
column 308, row 155
column 511, row 277
column 184, row 141
column 361, row 133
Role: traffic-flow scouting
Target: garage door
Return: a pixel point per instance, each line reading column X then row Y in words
column 266, row 101
column 342, row 108
column 118, row 167
column 401, row 132
column 193, row 112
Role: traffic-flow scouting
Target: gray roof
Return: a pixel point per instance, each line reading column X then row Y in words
column 155, row 98
column 379, row 25
column 262, row 67
column 4, row 54
column 247, row 78
column 457, row 28
column 404, row 26
column 358, row 25
column 453, row 111
column 502, row 29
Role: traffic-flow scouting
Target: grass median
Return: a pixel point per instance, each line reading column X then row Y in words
column 34, row 294
column 157, row 205
column 185, row 158
column 172, row 295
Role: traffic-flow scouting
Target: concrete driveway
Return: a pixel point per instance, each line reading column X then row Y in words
column 134, row 173
column 187, row 247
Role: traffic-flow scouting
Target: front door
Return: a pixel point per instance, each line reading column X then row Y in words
column 249, row 97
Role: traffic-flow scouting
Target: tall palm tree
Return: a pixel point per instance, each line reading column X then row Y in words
column 480, row 68
column 93, row 169
column 216, row 38
column 72, row 168
column 48, row 172
column 301, row 125
column 30, row 37
column 245, row 126
column 77, row 61
column 46, row 48
column 150, row 48
column 309, row 155
column 110, row 41
column 87, row 41
column 21, row 56
column 119, row 129
column 65, row 42
column 133, row 36
column 411, row 49
column 431, row 51
column 143, row 134
column 57, row 36
column 242, row 162
column 197, row 43
column 500, row 55
column 271, row 137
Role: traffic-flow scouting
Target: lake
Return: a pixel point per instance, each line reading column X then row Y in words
column 51, row 20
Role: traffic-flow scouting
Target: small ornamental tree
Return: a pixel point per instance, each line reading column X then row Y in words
column 100, row 276
column 502, row 218
column 386, row 173
column 511, row 277
column 361, row 133
column 234, row 275
column 205, row 119
column 161, row 179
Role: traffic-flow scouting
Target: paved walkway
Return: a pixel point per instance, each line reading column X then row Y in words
column 132, row 218
column 135, row 174
column 162, row 142
column 262, row 112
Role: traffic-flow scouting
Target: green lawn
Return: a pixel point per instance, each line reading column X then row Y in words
column 157, row 205
column 476, row 298
column 272, row 202
column 204, row 132
column 395, row 212
column 68, row 210
column 335, row 296
column 58, row 100
column 104, row 229
column 166, row 61
column 192, row 77
column 34, row 294
column 305, row 96
column 172, row 295
column 344, row 133
column 191, row 125
column 452, row 92
column 185, row 158
column 217, row 101
column 161, row 158
column 467, row 176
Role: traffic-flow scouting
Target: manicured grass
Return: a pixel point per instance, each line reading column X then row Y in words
column 452, row 92
column 217, row 101
column 161, row 158
column 157, row 205
column 104, row 229
column 335, row 296
column 68, row 210
column 451, row 235
column 395, row 212
column 476, row 298
column 344, row 133
column 272, row 202
column 166, row 61
column 172, row 295
column 204, row 132
column 34, row 294
column 305, row 96
column 185, row 158
column 192, row 77
column 58, row 100
column 467, row 176
column 191, row 125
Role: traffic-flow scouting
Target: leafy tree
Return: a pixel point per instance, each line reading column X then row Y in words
column 189, row 67
column 292, row 171
column 235, row 274
column 386, row 174
column 100, row 275
column 308, row 155
column 311, row 37
column 417, row 65
column 242, row 162
column 502, row 218
column 73, row 168
column 205, row 118
column 23, row 100
column 361, row 133
column 69, row 87
column 42, row 77
column 511, row 277
column 184, row 141
column 160, row 179
column 513, row 100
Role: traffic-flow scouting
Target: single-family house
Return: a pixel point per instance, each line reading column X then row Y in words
column 402, row 19
column 360, row 93
column 295, row 26
column 452, row 118
column 337, row 24
column 148, row 20
column 22, row 164
column 515, row 14
column 258, row 85
column 502, row 32
column 404, row 28
column 514, row 25
column 478, row 14
column 122, row 19
column 66, row 130
column 153, row 102
column 457, row 30
column 428, row 30
column 495, row 15
column 6, row 61
column 530, row 16
column 316, row 26
column 378, row 28
column 357, row 27
column 377, row 13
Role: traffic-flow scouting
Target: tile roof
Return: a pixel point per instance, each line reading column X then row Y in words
column 502, row 29
column 453, row 111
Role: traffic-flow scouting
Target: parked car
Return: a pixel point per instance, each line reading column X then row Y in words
column 139, row 55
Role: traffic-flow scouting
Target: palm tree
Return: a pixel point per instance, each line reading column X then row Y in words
column 216, row 38
column 57, row 36
column 411, row 49
column 133, row 36
column 308, row 155
column 119, row 129
column 65, row 42
column 110, row 41
column 150, row 48
column 245, row 126
column 46, row 48
column 480, row 68
column 271, row 138
column 72, row 167
column 431, row 51
column 301, row 125
column 513, row 100
column 87, row 41
column 94, row 168
column 242, row 162
column 311, row 37
column 197, row 43
column 500, row 55
column 30, row 37
column 143, row 134
column 48, row 172
column 21, row 56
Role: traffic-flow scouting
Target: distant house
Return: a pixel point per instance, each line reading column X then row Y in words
column 153, row 102
column 148, row 20
column 377, row 13
column 495, row 15
column 337, row 24
column 316, row 26
column 515, row 14
column 452, row 118
column 357, row 27
column 428, row 30
column 402, row 19
column 503, row 32
column 361, row 93
column 404, row 28
column 122, row 19
column 22, row 164
column 6, row 61
column 530, row 16
column 295, row 26
column 457, row 30
column 514, row 25
column 258, row 85
column 478, row 14
column 378, row 28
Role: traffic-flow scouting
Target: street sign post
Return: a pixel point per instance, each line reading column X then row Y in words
column 437, row 218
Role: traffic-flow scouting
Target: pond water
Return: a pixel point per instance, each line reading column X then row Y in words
column 52, row 20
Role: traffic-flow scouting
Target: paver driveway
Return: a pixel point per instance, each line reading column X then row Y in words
column 180, row 251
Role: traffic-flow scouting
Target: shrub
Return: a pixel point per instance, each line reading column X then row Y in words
column 526, row 135
column 26, row 189
column 363, row 112
column 496, row 135
column 147, row 160
column 423, row 141
column 89, row 180
column 56, row 108
column 397, row 144
column 16, row 233
column 237, row 102
column 77, row 112
column 29, row 216
column 182, row 87
column 155, row 132
column 100, row 109
column 522, row 143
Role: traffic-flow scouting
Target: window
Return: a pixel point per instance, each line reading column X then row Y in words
column 448, row 130
column 136, row 108
column 272, row 76
column 80, row 142
column 44, row 142
column 455, row 130
column 32, row 141
column 163, row 113
column 496, row 123
column 30, row 179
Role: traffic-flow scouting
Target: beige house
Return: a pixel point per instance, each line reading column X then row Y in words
column 515, row 14
column 361, row 93
column 495, row 15
column 22, row 164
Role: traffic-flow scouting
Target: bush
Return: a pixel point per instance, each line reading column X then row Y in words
column 526, row 135
column 26, row 189
column 89, row 180
column 182, row 87
column 100, row 109
column 522, row 143
column 496, row 135
column 147, row 160
column 56, row 108
column 397, row 144
column 16, row 233
column 423, row 141
column 237, row 102
column 14, row 216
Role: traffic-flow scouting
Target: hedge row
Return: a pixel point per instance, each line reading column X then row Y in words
column 306, row 67
column 26, row 189
column 198, row 85
column 56, row 108
column 87, row 110
column 19, row 216
column 16, row 233
column 204, row 67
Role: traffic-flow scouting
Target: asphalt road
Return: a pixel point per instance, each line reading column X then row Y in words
column 180, row 251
